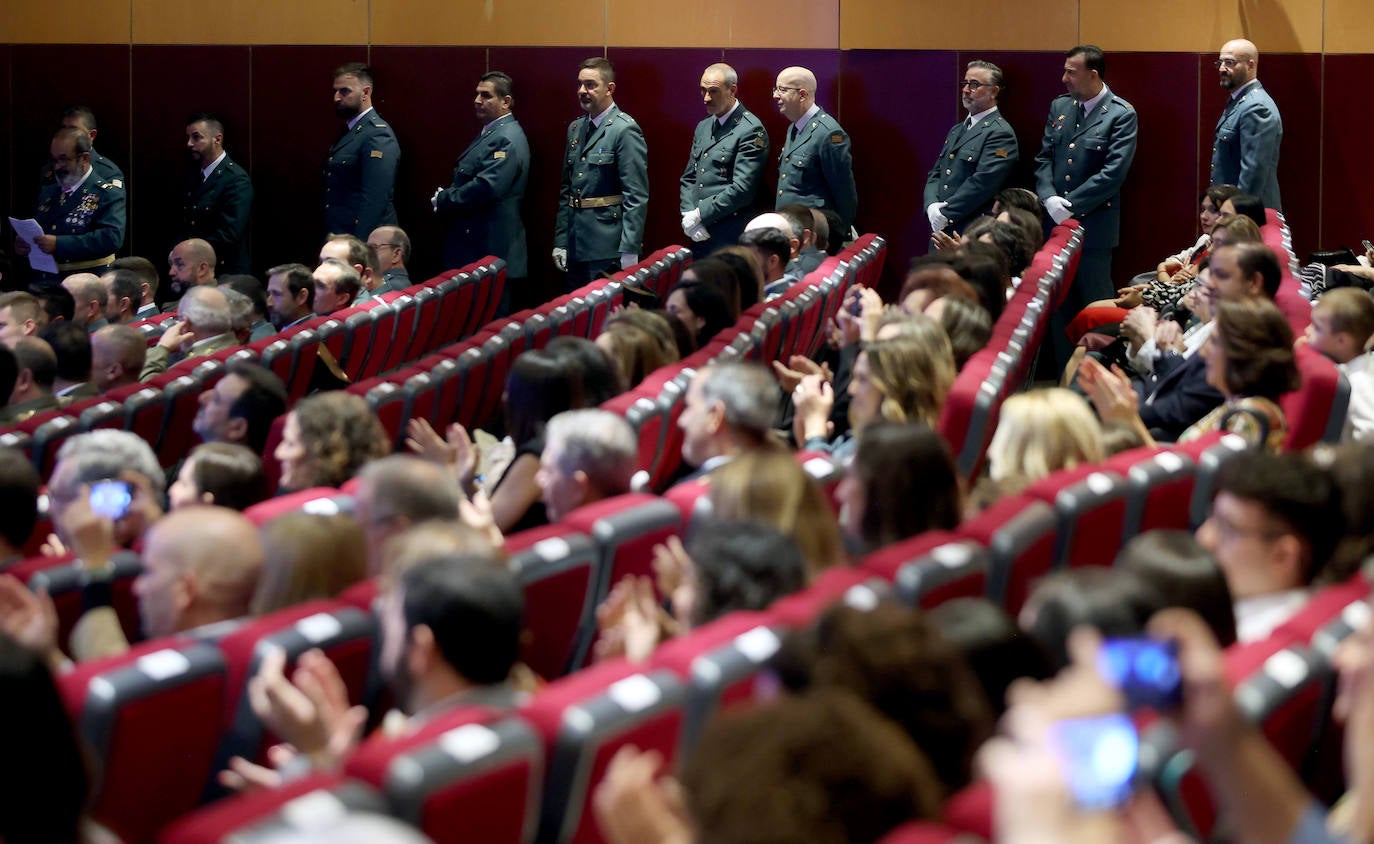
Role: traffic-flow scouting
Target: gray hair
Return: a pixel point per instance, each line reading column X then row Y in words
column 727, row 73
column 747, row 391
column 990, row 68
column 241, row 314
column 598, row 443
column 402, row 485
column 101, row 454
column 201, row 307
column 346, row 280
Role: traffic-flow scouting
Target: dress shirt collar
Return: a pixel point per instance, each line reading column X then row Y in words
column 1236, row 94
column 596, row 121
column 720, row 121
column 806, row 118
column 360, row 116
column 1089, row 105
column 974, row 118
column 210, row 168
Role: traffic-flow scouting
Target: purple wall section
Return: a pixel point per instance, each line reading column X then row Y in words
column 897, row 105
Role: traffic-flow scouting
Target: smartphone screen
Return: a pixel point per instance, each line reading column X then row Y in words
column 1145, row 670
column 111, row 499
column 1100, row 757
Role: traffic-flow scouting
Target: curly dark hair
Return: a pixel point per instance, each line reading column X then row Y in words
column 340, row 433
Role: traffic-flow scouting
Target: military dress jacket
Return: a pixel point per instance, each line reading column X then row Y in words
column 89, row 222
column 816, row 169
column 481, row 207
column 1245, row 151
column 724, row 173
column 601, row 164
column 973, row 165
column 360, row 178
column 215, row 209
column 1085, row 159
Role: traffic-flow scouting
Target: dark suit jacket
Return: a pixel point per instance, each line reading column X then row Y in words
column 216, row 210
column 360, row 177
column 1178, row 399
column 1245, row 152
column 482, row 205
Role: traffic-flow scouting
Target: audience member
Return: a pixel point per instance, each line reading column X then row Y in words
column 392, row 246
column 592, row 374
column 57, row 302
column 327, row 439
column 1115, row 602
column 395, row 493
column 148, row 280
column 260, row 322
column 361, row 257
column 745, row 264
column 307, row 556
column 219, row 473
column 19, row 483
column 20, row 315
column 72, row 347
column 968, row 326
column 290, row 295
column 639, row 342
column 728, row 410
column 191, row 263
column 1038, row 433
column 1342, row 324
column 240, row 314
column 88, row 297
column 985, row 268
column 1184, row 574
column 336, row 286
column 773, row 251
column 36, row 371
column 996, row 650
column 588, row 455
column 719, row 274
column 702, row 308
column 902, row 482
column 100, row 455
column 204, row 328
column 1244, row 205
column 771, row 487
column 123, row 295
column 1021, row 198
column 241, row 407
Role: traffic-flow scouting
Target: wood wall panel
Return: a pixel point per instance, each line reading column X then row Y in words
column 429, row 93
column 705, row 23
column 903, row 25
column 67, row 21
column 1349, row 27
column 488, row 23
column 813, row 24
column 166, row 90
column 1188, row 26
column 251, row 22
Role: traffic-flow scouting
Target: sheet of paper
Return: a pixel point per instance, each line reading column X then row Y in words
column 29, row 231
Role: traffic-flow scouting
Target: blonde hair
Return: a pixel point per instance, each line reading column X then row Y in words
column 772, row 488
column 1041, row 432
column 914, row 371
column 308, row 556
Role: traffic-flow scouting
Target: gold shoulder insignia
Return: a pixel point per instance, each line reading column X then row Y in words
column 376, row 153
column 500, row 153
column 1001, row 153
column 837, row 138
column 117, row 183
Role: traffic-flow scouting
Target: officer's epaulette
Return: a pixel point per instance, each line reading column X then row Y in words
column 379, row 123
column 1124, row 102
column 113, row 183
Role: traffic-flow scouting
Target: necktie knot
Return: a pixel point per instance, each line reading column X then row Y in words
column 792, row 135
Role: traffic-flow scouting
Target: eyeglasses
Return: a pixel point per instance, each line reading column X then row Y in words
column 783, row 89
column 1228, row 63
column 975, row 84
column 66, row 159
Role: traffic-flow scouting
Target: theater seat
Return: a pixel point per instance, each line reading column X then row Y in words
column 152, row 717
column 272, row 815
column 1019, row 533
column 932, row 568
column 1090, row 508
column 558, row 569
column 1159, row 489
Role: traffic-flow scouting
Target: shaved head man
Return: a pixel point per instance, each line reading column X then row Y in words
column 191, row 264
column 117, row 356
column 1245, row 152
column 200, row 566
column 720, row 185
column 816, row 167
column 88, row 291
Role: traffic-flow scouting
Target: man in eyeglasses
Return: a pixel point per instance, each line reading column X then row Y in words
column 82, row 215
column 977, row 157
column 392, row 246
column 1246, row 150
column 815, row 168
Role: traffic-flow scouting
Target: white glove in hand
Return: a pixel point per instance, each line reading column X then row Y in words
column 434, row 200
column 936, row 217
column 690, row 220
column 1059, row 209
column 628, row 259
column 560, row 258
column 698, row 233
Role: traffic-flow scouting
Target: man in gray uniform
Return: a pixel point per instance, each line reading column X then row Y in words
column 815, row 168
column 1249, row 131
column 360, row 173
column 604, row 197
column 720, row 185
column 977, row 157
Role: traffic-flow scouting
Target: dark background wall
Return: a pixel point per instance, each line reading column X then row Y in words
column 896, row 103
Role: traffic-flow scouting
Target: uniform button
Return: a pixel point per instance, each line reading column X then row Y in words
column 1070, row 146
column 1068, row 178
column 779, row 193
column 951, row 156
column 1070, row 160
column 947, row 172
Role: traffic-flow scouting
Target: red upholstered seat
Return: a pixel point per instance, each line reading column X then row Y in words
column 268, row 814
column 559, row 571
column 316, row 499
column 1090, row 507
column 932, row 568
column 1316, row 411
column 1159, row 489
column 1019, row 533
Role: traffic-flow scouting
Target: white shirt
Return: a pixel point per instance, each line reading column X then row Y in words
column 806, row 118
column 974, row 118
column 720, row 121
column 1144, row 359
column 1359, row 418
column 1259, row 616
column 1242, row 89
column 596, row 121
column 360, row 116
column 1089, row 105
column 210, row 168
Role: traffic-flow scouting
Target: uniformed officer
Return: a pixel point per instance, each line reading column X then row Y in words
column 977, row 157
column 360, row 173
column 81, row 117
column 481, row 207
column 1245, row 152
column 720, row 185
column 82, row 217
column 1089, row 142
column 815, row 168
column 218, row 196
column 603, row 201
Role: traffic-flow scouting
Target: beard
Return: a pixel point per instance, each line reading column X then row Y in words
column 68, row 179
column 347, row 112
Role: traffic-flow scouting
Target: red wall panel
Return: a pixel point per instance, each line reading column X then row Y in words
column 1347, row 201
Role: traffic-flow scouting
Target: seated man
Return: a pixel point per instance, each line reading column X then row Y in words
column 729, row 408
column 88, row 292
column 450, row 635
column 361, row 257
column 769, row 237
column 118, row 353
column 36, row 367
column 191, row 263
column 396, row 493
column 290, row 295
column 336, row 286
column 1274, row 524
column 21, row 315
column 803, row 223
column 259, row 321
column 123, row 296
column 241, row 407
column 205, row 328
column 588, row 455
column 1342, row 323
column 392, row 247
column 148, row 280
column 72, row 346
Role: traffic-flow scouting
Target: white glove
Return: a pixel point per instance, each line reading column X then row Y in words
column 698, row 233
column 1058, row 209
column 628, row 259
column 434, row 200
column 690, row 220
column 560, row 258
column 937, row 219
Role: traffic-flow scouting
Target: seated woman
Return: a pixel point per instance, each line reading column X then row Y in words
column 747, row 270
column 968, row 326
column 639, row 342
column 1250, row 361
column 306, row 556
column 1038, row 433
column 702, row 307
column 719, row 274
column 226, row 474
column 327, row 439
column 902, row 482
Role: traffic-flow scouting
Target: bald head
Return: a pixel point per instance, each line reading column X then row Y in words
column 1237, row 63
column 88, row 291
column 719, row 84
column 192, row 263
column 202, row 566
column 117, row 357
column 795, row 92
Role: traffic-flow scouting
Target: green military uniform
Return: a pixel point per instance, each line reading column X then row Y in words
column 16, row 413
column 104, row 168
column 159, row 358
column 482, row 205
column 723, row 175
column 972, row 167
column 817, row 170
column 603, row 201
column 360, row 178
column 88, row 222
column 216, row 210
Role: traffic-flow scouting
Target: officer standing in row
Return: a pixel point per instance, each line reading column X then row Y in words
column 360, row 172
column 481, row 207
column 218, row 196
column 604, row 195
column 977, row 157
column 1245, row 152
column 815, row 168
column 81, row 117
column 720, row 185
column 81, row 215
